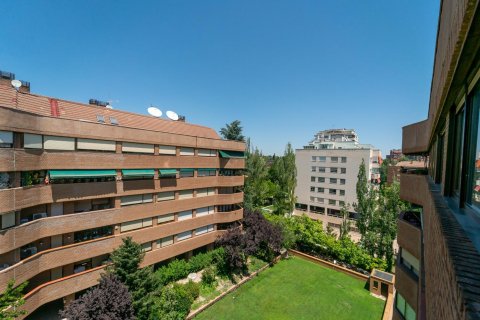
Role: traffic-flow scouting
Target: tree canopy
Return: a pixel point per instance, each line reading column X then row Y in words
column 232, row 131
column 10, row 301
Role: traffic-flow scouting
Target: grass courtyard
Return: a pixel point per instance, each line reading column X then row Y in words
column 298, row 289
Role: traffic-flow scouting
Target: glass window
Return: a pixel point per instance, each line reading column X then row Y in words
column 312, row 179
column 321, row 169
column 312, row 189
column 474, row 194
column 321, row 179
column 457, row 154
column 342, row 181
column 314, row 158
column 400, row 303
column 342, row 192
column 322, row 159
column 332, row 202
column 321, row 190
column 333, row 180
column 344, row 159
column 314, row 169
column 333, row 170
column 334, row 159
column 343, row 170
column 333, row 191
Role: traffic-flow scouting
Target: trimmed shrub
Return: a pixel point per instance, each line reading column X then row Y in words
column 208, row 276
column 193, row 289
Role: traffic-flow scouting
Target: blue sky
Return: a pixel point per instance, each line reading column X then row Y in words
column 285, row 69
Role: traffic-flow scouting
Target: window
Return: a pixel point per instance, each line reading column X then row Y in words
column 185, row 215
column 342, row 181
column 91, row 144
column 167, row 150
column 333, row 170
column 320, row 200
column 344, row 159
column 312, row 179
column 341, row 203
column 409, row 261
column 6, row 139
column 343, row 170
column 312, row 199
column 322, row 159
column 100, row 118
column 404, row 308
column 137, row 147
column 458, row 151
column 332, row 202
column 165, row 242
column 114, row 121
column 135, row 224
column 165, row 196
column 58, row 143
column 332, row 191
column 207, row 153
column 314, row 169
column 321, row 179
column 321, row 190
column 8, row 220
column 32, row 141
column 184, row 235
column 187, row 151
column 186, row 173
column 333, row 180
column 321, row 169
column 205, row 192
column 312, row 189
column 334, row 159
column 473, row 196
column 185, row 194
column 147, row 247
column 136, row 199
column 204, row 211
column 206, row 172
column 342, row 192
column 165, row 218
column 314, row 158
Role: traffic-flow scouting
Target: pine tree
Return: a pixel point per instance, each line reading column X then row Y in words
column 233, row 131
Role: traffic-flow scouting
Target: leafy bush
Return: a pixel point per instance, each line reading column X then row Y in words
column 200, row 261
column 173, row 304
column 208, row 276
column 193, row 289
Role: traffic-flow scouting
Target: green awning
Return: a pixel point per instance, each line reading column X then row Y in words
column 62, row 174
column 138, row 172
column 168, row 172
column 184, row 170
column 232, row 154
column 207, row 169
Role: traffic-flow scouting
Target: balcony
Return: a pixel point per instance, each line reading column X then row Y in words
column 19, row 198
column 409, row 234
column 414, row 187
column 407, row 284
column 57, row 289
column 60, row 256
column 33, row 159
column 415, row 138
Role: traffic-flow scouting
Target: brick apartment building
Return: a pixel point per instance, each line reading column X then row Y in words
column 77, row 178
column 438, row 269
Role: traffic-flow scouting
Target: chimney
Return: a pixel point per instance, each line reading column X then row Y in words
column 7, row 77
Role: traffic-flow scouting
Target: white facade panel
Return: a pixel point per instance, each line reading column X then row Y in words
column 58, row 143
column 91, row 144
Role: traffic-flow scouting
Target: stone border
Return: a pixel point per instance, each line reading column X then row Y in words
column 199, row 310
column 330, row 265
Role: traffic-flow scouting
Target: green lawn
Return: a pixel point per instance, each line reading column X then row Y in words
column 298, row 289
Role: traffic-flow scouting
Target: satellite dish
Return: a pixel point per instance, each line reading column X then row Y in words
column 108, row 106
column 154, row 112
column 16, row 84
column 172, row 115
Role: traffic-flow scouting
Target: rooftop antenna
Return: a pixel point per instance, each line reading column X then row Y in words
column 16, row 84
column 153, row 111
column 172, row 115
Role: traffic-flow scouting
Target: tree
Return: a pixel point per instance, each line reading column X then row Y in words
column 10, row 301
column 142, row 283
column 233, row 243
column 365, row 207
column 232, row 131
column 110, row 300
column 257, row 187
column 262, row 238
column 283, row 173
column 346, row 225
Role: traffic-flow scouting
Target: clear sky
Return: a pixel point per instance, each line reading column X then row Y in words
column 285, row 69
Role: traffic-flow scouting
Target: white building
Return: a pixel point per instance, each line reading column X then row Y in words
column 327, row 170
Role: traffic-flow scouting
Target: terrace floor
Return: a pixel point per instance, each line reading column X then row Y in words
column 298, row 289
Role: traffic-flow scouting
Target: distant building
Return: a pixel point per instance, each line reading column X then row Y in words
column 395, row 154
column 327, row 171
column 394, row 170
